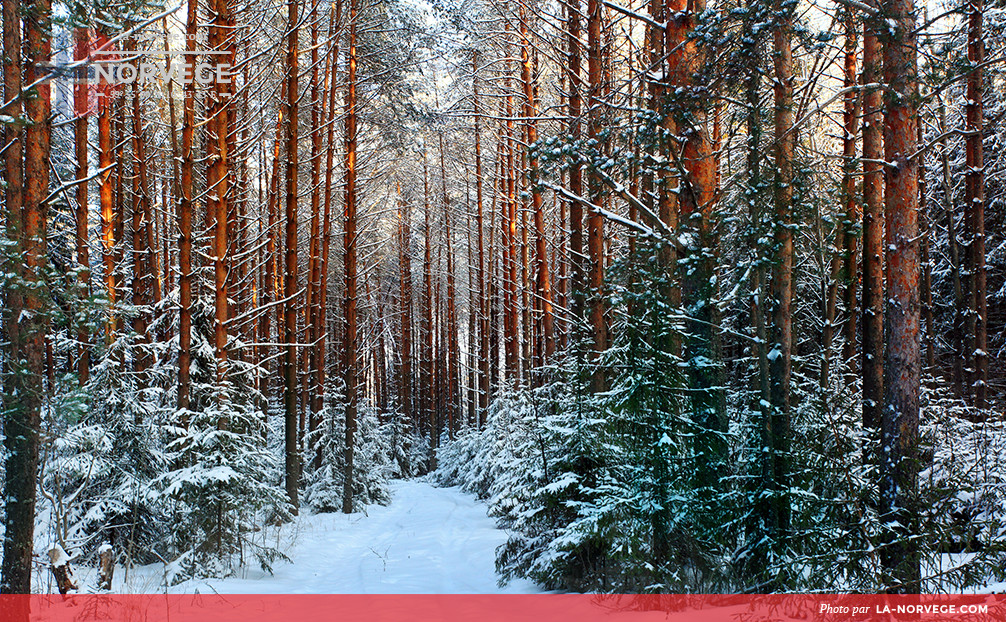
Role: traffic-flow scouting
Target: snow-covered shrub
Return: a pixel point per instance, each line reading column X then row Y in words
column 114, row 452
column 832, row 540
column 963, row 491
column 479, row 460
column 221, row 483
column 373, row 459
column 410, row 450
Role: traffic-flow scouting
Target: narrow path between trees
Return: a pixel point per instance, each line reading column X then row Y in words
column 428, row 540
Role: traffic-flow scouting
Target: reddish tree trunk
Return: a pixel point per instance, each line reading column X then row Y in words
column 185, row 208
column 349, row 264
column 899, row 465
column 577, row 267
column 21, row 469
column 140, row 256
column 426, row 375
column 290, row 280
column 218, row 176
column 850, row 121
column 83, row 251
column 405, row 310
column 974, row 192
column 595, row 222
column 781, row 333
column 545, row 347
column 873, row 233
column 326, row 237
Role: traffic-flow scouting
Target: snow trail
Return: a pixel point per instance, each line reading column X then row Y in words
column 427, row 540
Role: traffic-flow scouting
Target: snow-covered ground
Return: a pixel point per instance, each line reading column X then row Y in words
column 428, row 540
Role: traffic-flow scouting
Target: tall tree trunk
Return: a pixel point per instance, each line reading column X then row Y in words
column 543, row 284
column 493, row 289
column 185, row 209
column 19, row 515
column 22, row 423
column 405, row 310
column 349, row 264
column 974, row 192
column 844, row 261
column 80, row 93
column 140, row 256
column 335, row 22
column 483, row 298
column 925, row 234
column 873, row 232
column 106, row 183
column 958, row 359
column 453, row 353
column 666, row 193
column 577, row 268
column 781, row 333
column 899, row 466
column 595, row 222
column 314, row 297
column 510, row 248
column 850, row 122
column 696, row 198
column 290, row 280
column 426, row 375
column 218, row 175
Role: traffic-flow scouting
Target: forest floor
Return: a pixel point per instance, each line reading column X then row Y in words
column 427, row 540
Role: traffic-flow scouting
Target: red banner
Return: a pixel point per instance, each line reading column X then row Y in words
column 503, row 608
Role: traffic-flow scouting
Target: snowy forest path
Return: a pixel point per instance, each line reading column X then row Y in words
column 427, row 540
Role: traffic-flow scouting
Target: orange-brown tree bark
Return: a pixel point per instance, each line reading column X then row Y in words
column 335, row 22
column 872, row 355
column 218, row 174
column 577, row 277
column 595, row 222
column 899, row 463
column 545, row 347
column 24, row 416
column 80, row 105
column 289, row 367
column 974, row 206
column 781, row 289
column 185, row 209
column 349, row 265
column 851, row 225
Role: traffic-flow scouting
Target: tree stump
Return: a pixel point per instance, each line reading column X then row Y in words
column 60, row 563
column 106, row 566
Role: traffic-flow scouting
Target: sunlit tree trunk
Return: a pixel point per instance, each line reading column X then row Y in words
column 595, row 222
column 290, row 281
column 349, row 265
column 543, row 283
column 22, row 422
column 80, row 108
column 185, row 209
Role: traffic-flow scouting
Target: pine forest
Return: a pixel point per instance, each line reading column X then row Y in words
column 700, row 296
